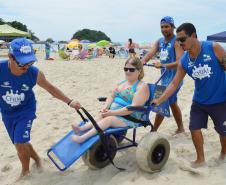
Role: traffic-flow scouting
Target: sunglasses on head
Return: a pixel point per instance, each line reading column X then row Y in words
column 24, row 65
column 129, row 69
column 182, row 39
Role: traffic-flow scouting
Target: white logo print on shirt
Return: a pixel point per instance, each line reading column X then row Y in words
column 6, row 84
column 13, row 99
column 163, row 54
column 24, row 87
column 206, row 58
column 201, row 72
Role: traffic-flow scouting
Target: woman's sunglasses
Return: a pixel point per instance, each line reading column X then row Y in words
column 182, row 39
column 129, row 69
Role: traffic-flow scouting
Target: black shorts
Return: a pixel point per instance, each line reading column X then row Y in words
column 199, row 116
column 131, row 50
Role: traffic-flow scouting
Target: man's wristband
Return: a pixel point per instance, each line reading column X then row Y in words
column 70, row 102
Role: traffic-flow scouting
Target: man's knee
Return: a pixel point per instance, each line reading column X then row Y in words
column 174, row 106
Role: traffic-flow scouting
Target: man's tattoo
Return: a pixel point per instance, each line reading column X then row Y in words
column 223, row 62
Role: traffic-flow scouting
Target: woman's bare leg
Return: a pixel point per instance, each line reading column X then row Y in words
column 105, row 123
column 86, row 126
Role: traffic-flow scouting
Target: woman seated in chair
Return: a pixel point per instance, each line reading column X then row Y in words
column 131, row 91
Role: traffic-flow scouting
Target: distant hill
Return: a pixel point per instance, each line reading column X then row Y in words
column 91, row 35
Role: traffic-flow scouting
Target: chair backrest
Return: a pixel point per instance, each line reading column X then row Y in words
column 155, row 92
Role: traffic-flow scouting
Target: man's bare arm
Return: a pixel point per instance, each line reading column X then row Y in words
column 220, row 54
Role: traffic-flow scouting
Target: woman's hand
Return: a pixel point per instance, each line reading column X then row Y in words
column 104, row 110
column 107, row 113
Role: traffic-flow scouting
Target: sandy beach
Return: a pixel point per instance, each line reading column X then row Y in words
column 86, row 81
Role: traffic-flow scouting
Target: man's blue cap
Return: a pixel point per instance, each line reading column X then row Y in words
column 168, row 20
column 22, row 50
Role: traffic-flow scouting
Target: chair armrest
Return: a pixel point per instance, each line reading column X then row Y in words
column 137, row 108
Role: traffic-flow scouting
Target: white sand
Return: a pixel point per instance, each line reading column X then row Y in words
column 86, row 81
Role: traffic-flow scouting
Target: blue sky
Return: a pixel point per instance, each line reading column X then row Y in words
column 119, row 19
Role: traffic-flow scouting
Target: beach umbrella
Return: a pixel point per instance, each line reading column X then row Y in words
column 103, row 43
column 90, row 46
column 73, row 44
column 84, row 41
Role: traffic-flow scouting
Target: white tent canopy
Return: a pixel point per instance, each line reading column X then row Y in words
column 8, row 31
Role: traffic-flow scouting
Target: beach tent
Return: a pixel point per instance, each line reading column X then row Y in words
column 8, row 33
column 218, row 37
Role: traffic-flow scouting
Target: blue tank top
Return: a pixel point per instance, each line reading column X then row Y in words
column 125, row 97
column 16, row 94
column 167, row 55
column 209, row 76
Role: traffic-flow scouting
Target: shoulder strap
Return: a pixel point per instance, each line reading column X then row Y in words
column 134, row 87
column 121, row 82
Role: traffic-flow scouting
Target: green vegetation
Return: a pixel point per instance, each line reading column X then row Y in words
column 20, row 26
column 91, row 35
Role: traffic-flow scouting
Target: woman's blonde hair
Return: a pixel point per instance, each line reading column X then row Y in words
column 136, row 62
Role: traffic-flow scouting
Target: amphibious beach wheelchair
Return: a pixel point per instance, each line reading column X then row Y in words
column 98, row 151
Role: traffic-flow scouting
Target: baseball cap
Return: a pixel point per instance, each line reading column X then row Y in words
column 168, row 20
column 22, row 50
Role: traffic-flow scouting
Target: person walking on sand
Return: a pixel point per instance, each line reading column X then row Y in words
column 205, row 63
column 17, row 100
column 47, row 50
column 170, row 52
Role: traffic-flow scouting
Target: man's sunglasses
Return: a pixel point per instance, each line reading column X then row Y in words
column 24, row 65
column 129, row 69
column 182, row 39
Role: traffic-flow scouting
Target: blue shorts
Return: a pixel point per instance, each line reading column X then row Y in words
column 199, row 116
column 19, row 128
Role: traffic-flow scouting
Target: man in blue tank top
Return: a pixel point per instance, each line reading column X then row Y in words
column 17, row 100
column 205, row 63
column 170, row 52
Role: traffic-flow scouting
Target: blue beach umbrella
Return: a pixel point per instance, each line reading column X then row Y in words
column 84, row 41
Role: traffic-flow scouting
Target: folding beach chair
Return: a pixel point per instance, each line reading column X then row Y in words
column 98, row 151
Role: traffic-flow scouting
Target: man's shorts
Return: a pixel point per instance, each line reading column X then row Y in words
column 199, row 116
column 19, row 128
